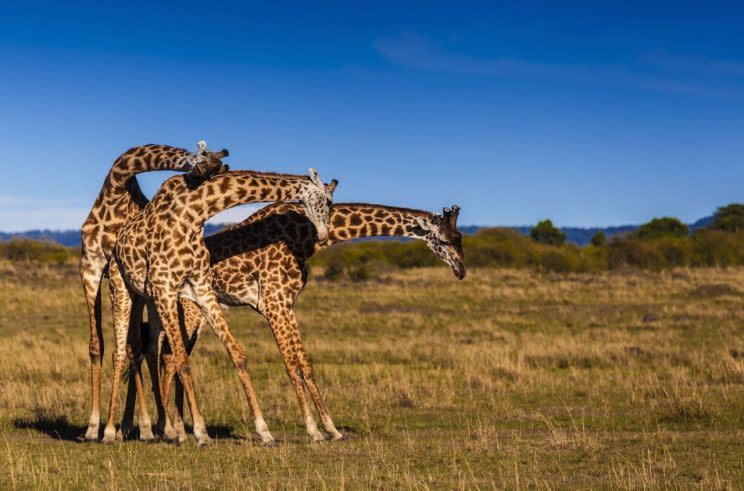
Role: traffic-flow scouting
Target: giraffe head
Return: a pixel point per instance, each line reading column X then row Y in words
column 317, row 200
column 204, row 163
column 441, row 235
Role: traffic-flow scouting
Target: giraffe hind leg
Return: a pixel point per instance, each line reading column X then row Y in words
column 91, row 274
column 282, row 324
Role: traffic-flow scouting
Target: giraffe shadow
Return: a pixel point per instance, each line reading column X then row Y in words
column 57, row 427
column 219, row 432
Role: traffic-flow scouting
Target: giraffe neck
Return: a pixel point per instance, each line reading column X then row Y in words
column 234, row 188
column 143, row 159
column 352, row 221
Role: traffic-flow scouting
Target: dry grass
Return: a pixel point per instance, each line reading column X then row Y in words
column 509, row 379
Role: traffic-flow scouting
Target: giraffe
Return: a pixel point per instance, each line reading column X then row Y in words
column 160, row 256
column 260, row 263
column 120, row 198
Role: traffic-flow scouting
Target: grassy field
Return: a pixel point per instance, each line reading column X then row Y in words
column 509, row 379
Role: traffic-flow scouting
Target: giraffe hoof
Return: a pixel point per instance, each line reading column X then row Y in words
column 202, row 442
column 317, row 438
column 269, row 443
column 338, row 437
column 91, row 435
column 108, row 438
column 144, row 437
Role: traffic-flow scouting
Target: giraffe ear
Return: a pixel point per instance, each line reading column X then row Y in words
column 315, row 178
column 201, row 147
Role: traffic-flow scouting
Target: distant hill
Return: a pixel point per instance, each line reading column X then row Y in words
column 71, row 238
column 577, row 235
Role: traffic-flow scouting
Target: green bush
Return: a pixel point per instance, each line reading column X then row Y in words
column 599, row 239
column 547, row 233
column 729, row 218
column 663, row 227
column 20, row 249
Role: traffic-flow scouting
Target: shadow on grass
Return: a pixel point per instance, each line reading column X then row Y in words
column 55, row 427
column 220, row 432
column 59, row 428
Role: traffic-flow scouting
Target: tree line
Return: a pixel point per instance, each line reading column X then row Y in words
column 659, row 244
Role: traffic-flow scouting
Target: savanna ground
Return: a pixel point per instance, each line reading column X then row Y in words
column 509, row 379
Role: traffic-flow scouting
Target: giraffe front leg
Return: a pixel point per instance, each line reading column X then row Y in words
column 167, row 310
column 91, row 273
column 307, row 374
column 211, row 310
column 282, row 324
column 122, row 304
column 192, row 321
column 151, row 357
column 158, row 349
column 136, row 388
column 169, row 375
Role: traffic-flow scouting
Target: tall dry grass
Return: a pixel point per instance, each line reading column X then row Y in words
column 509, row 379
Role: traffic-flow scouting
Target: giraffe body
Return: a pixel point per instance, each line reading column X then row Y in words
column 160, row 256
column 119, row 199
column 261, row 263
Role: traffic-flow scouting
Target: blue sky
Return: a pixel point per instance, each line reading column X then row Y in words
column 584, row 113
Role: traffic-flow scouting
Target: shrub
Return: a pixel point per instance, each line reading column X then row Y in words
column 20, row 249
column 663, row 227
column 599, row 239
column 546, row 233
column 729, row 218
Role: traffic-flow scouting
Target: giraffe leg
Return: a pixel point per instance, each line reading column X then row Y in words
column 136, row 389
column 122, row 305
column 167, row 309
column 151, row 357
column 169, row 374
column 127, row 420
column 178, row 414
column 192, row 321
column 210, row 307
column 91, row 273
column 156, row 344
column 192, row 328
column 307, row 374
column 282, row 324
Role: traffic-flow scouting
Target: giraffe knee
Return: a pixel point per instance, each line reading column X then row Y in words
column 240, row 361
column 94, row 352
column 307, row 372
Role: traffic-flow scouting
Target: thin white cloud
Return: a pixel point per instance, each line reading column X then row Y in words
column 412, row 51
